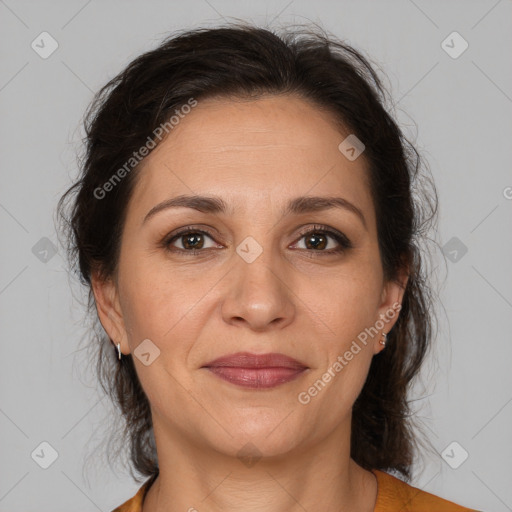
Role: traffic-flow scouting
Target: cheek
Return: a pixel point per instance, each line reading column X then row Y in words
column 157, row 308
column 165, row 306
column 149, row 292
column 347, row 304
column 142, row 305
column 348, row 310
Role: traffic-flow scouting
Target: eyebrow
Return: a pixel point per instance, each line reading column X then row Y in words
column 297, row 206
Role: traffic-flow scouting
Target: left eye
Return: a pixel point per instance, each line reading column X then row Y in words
column 321, row 240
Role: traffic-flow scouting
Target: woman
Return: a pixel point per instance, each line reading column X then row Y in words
column 245, row 224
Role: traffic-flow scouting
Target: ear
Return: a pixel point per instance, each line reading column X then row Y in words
column 109, row 310
column 391, row 303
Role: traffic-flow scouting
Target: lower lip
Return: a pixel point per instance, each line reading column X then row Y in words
column 256, row 378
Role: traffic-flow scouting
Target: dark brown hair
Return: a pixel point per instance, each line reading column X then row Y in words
column 242, row 61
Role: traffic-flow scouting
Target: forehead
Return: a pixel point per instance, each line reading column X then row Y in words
column 273, row 148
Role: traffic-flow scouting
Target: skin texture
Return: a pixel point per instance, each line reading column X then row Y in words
column 293, row 299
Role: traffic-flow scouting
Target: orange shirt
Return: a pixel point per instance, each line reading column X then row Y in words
column 393, row 495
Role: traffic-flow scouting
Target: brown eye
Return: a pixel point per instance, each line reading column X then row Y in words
column 192, row 241
column 316, row 241
column 324, row 240
column 189, row 240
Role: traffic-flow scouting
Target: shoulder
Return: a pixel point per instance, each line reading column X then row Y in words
column 134, row 504
column 394, row 494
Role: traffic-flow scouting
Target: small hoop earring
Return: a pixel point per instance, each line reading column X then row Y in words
column 383, row 340
column 119, row 351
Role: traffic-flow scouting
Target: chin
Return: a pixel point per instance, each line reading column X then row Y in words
column 258, row 434
column 257, row 447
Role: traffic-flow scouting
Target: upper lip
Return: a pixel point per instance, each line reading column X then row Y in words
column 248, row 360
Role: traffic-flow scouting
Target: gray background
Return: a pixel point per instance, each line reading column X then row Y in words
column 458, row 111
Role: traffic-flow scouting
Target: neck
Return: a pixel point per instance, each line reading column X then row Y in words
column 193, row 478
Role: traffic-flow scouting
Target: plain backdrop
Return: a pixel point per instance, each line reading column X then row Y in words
column 455, row 106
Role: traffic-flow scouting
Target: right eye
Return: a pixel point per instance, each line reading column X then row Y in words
column 189, row 241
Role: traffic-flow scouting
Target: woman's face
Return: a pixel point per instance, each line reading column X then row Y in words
column 249, row 279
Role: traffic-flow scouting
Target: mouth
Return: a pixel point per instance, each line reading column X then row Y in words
column 256, row 371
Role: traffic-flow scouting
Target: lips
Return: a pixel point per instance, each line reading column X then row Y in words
column 257, row 371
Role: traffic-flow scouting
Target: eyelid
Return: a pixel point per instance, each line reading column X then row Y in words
column 340, row 237
column 168, row 239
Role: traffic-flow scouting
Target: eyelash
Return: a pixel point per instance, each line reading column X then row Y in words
column 343, row 241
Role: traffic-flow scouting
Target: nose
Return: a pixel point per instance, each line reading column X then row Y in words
column 258, row 295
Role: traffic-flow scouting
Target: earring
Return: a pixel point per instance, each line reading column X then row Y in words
column 383, row 340
column 119, row 351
